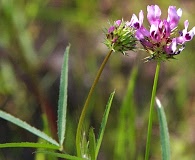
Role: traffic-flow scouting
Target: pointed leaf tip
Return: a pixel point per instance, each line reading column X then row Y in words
column 62, row 103
column 158, row 102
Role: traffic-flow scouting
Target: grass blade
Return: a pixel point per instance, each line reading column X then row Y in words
column 27, row 127
column 164, row 134
column 62, row 103
column 61, row 155
column 126, row 132
column 103, row 124
column 92, row 144
column 29, row 145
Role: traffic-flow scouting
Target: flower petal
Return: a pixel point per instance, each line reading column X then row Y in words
column 186, row 24
column 154, row 32
column 167, row 29
column 141, row 17
column 139, row 35
column 179, row 12
column 171, row 49
column 135, row 22
column 173, row 16
column 190, row 34
column 185, row 35
column 111, row 29
column 154, row 13
column 118, row 23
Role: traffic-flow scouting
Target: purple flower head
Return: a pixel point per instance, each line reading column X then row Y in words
column 162, row 40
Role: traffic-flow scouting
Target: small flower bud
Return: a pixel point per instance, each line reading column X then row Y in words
column 120, row 37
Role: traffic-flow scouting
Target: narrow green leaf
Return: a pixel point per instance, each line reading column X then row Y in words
column 62, row 103
column 29, row 145
column 84, row 145
column 164, row 133
column 103, row 123
column 27, row 127
column 61, row 155
column 92, row 144
column 126, row 132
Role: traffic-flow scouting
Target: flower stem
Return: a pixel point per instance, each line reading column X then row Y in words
column 85, row 107
column 151, row 111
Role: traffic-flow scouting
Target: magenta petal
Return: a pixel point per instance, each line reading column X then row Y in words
column 172, row 47
column 179, row 12
column 139, row 35
column 133, row 18
column 141, row 17
column 186, row 36
column 146, row 43
column 180, row 40
column 173, row 16
column 186, row 24
column 142, row 33
column 118, row 23
column 192, row 31
column 154, row 32
column 190, row 34
column 185, row 30
column 154, row 13
column 135, row 22
column 167, row 28
column 111, row 29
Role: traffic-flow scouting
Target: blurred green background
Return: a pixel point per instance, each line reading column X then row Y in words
column 33, row 37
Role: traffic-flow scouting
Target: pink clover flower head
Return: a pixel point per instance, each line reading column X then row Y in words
column 120, row 36
column 162, row 40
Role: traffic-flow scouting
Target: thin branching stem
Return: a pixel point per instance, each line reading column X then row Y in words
column 151, row 111
column 85, row 107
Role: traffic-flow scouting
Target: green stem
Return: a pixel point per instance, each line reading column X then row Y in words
column 85, row 107
column 151, row 111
